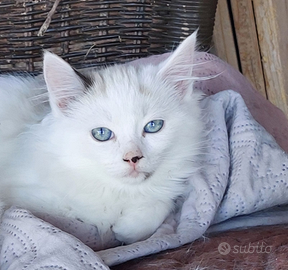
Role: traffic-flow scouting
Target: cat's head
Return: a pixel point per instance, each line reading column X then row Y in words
column 126, row 122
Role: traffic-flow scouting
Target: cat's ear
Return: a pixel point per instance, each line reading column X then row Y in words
column 178, row 68
column 63, row 82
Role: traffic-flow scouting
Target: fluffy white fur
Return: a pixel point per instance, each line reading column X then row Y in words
column 51, row 163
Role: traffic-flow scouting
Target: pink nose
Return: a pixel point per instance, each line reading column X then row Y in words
column 133, row 156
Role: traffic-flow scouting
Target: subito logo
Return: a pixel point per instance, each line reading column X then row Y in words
column 224, row 248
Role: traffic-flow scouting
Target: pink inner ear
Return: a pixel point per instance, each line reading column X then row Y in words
column 178, row 76
column 63, row 83
column 63, row 102
column 181, row 86
column 177, row 69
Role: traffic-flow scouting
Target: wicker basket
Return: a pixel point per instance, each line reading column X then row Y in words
column 90, row 33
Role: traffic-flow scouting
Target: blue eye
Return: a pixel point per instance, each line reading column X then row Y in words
column 102, row 134
column 154, row 126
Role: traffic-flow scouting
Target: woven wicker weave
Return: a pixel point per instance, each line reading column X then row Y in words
column 89, row 33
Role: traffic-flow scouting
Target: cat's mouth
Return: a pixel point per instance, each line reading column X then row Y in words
column 134, row 173
column 139, row 176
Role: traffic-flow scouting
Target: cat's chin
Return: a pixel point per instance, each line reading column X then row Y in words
column 135, row 177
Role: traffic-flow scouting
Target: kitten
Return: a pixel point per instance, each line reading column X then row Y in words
column 114, row 147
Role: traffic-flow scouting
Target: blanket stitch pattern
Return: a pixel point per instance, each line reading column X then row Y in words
column 31, row 243
column 244, row 171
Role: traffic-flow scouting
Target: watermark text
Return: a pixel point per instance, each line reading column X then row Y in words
column 224, row 248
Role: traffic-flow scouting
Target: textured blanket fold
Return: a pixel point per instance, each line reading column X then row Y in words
column 244, row 170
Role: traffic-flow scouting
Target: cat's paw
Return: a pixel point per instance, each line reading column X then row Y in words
column 141, row 222
column 130, row 230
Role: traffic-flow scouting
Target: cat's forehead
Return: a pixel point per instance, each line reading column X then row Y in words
column 124, row 80
column 121, row 102
column 120, row 86
column 123, row 92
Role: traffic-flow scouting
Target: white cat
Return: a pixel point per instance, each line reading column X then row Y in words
column 114, row 148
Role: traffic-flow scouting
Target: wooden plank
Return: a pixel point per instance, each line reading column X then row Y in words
column 272, row 20
column 224, row 44
column 247, row 41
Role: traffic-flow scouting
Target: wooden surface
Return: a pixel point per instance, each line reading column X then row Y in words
column 258, row 37
column 223, row 35
column 272, row 28
column 247, row 41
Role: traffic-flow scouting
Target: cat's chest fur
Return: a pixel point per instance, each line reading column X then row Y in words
column 114, row 148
